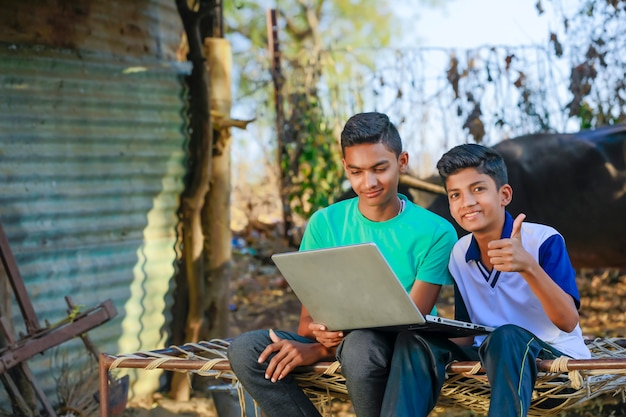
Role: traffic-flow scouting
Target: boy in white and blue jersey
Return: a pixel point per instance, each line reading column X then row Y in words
column 511, row 275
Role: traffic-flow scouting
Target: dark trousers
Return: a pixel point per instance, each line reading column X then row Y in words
column 277, row 399
column 508, row 355
column 399, row 374
column 418, row 371
column 365, row 357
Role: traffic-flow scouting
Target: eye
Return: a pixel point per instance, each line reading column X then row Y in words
column 479, row 188
column 355, row 172
column 379, row 170
column 453, row 196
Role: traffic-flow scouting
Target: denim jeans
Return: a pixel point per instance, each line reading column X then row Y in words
column 282, row 398
column 365, row 357
column 509, row 356
column 418, row 371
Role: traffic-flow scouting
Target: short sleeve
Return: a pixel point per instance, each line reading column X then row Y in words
column 434, row 268
column 554, row 260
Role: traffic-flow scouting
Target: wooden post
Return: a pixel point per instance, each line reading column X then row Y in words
column 216, row 212
column 281, row 149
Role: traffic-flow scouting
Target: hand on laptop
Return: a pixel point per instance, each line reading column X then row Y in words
column 325, row 337
column 289, row 355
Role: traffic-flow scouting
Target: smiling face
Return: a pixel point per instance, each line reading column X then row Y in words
column 476, row 203
column 374, row 172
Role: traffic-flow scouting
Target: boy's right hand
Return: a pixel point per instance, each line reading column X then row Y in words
column 289, row 355
column 509, row 255
column 325, row 337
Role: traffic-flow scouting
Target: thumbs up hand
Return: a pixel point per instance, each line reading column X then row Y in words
column 509, row 255
column 517, row 227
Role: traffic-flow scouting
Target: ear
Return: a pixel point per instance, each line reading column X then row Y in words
column 506, row 195
column 343, row 162
column 403, row 162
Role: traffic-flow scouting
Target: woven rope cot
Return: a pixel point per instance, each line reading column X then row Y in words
column 561, row 384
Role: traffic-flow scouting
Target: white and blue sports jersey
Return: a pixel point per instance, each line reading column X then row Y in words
column 495, row 298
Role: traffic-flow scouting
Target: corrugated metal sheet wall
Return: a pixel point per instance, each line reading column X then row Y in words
column 91, row 165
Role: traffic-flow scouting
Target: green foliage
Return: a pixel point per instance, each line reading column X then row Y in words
column 318, row 174
column 308, row 33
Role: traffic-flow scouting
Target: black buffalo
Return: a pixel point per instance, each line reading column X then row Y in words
column 573, row 182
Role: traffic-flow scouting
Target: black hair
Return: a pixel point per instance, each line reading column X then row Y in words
column 371, row 128
column 486, row 161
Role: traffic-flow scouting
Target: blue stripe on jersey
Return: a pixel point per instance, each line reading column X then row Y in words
column 558, row 266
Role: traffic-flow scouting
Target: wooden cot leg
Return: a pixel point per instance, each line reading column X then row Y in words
column 103, row 376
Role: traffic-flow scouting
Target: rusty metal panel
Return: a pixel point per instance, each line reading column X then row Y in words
column 137, row 28
column 92, row 158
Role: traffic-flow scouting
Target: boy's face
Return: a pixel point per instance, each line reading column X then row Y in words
column 476, row 203
column 374, row 173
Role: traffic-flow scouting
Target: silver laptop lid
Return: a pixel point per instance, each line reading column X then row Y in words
column 348, row 287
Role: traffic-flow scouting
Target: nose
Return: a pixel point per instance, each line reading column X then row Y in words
column 467, row 199
column 370, row 179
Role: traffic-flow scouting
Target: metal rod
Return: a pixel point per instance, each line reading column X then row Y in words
column 103, row 378
column 456, row 367
column 21, row 294
column 55, row 336
column 172, row 365
column 545, row 364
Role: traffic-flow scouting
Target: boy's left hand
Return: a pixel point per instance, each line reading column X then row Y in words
column 508, row 255
column 324, row 336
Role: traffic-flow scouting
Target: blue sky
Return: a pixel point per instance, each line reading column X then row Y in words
column 472, row 23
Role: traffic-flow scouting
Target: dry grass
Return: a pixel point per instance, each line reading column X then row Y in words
column 76, row 386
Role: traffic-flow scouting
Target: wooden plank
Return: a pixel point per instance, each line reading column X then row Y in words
column 30, row 346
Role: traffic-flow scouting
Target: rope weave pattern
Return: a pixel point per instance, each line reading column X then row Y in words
column 555, row 390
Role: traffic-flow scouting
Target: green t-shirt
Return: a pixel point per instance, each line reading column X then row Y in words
column 416, row 243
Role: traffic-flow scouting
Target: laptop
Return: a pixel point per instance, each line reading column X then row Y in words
column 353, row 287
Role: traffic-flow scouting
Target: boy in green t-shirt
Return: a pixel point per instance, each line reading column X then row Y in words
column 415, row 242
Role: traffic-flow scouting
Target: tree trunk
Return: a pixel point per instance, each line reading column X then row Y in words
column 196, row 190
column 216, row 214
